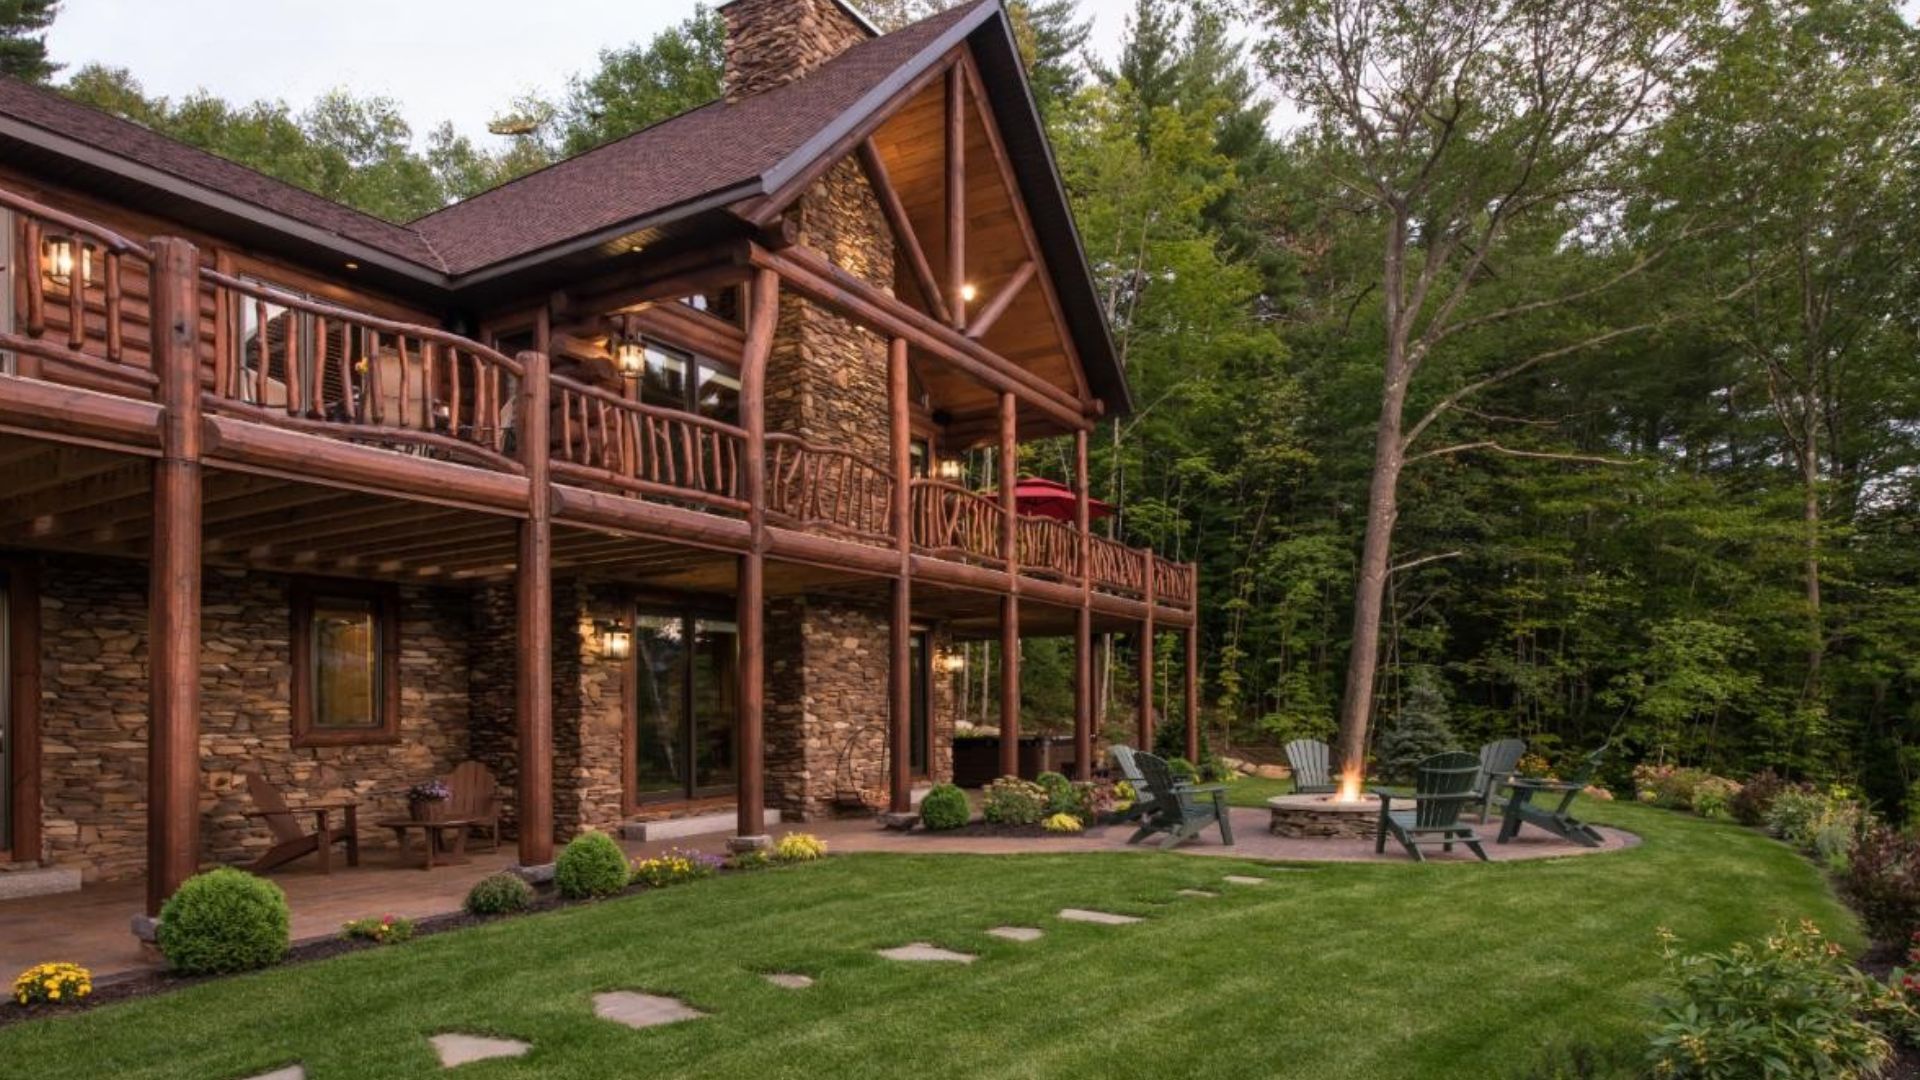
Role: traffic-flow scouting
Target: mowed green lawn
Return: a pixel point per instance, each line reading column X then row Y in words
column 1362, row 971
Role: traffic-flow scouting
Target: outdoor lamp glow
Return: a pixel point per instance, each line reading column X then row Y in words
column 60, row 254
column 616, row 640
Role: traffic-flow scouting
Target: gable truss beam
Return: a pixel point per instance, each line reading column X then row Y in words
column 957, row 197
column 902, row 226
column 1001, row 301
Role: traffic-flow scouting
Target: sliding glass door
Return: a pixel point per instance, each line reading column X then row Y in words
column 6, row 719
column 685, row 684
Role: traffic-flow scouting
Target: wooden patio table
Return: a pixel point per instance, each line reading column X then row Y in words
column 1521, row 811
column 433, row 837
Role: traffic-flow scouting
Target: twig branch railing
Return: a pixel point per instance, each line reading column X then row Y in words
column 289, row 361
column 1049, row 547
column 75, row 332
column 603, row 438
column 829, row 488
column 951, row 521
column 1173, row 583
column 1117, row 567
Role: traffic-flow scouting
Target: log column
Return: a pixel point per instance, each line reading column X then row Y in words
column 1083, row 618
column 750, row 599
column 1010, row 603
column 533, row 606
column 173, row 605
column 900, row 633
column 1146, row 660
column 1193, row 690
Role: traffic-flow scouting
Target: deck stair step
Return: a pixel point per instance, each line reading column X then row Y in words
column 18, row 884
column 718, row 821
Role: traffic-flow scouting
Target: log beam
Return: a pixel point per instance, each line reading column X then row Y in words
column 1083, row 619
column 900, row 631
column 750, row 598
column 1010, row 603
column 533, row 684
column 1145, row 733
column 957, row 198
column 902, row 226
column 1193, row 694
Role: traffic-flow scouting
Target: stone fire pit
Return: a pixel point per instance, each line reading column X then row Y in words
column 1319, row 817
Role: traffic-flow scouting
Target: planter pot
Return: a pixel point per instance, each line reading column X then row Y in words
column 427, row 809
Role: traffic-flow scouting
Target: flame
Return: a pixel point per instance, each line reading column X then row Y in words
column 1349, row 787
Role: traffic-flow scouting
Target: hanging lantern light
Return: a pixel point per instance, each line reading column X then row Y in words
column 60, row 256
column 629, row 355
column 616, row 639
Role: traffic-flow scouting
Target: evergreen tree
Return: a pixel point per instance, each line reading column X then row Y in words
column 1419, row 729
column 23, row 38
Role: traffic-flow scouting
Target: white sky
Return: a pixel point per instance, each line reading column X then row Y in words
column 458, row 60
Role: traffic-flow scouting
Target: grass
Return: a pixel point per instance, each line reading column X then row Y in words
column 1335, row 971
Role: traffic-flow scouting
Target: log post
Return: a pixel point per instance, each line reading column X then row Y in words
column 1010, row 603
column 750, row 597
column 173, row 605
column 900, row 632
column 957, row 197
column 533, row 605
column 1193, row 690
column 1146, row 659
column 1083, row 618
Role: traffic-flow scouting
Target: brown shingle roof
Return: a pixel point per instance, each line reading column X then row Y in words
column 712, row 150
column 62, row 117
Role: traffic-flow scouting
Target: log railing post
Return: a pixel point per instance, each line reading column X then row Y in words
column 1010, row 603
column 1146, row 658
column 750, row 597
column 173, row 606
column 533, row 683
column 900, row 633
column 1193, row 692
column 1083, row 618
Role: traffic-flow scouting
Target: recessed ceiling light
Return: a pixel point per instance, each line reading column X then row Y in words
column 353, row 265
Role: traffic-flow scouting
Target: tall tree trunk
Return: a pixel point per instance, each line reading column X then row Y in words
column 1376, row 552
column 1810, row 519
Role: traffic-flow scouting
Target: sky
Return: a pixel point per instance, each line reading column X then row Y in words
column 458, row 60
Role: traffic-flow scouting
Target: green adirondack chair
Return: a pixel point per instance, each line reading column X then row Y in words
column 1182, row 811
column 1442, row 789
column 1123, row 757
column 1559, row 820
column 1497, row 762
column 1312, row 769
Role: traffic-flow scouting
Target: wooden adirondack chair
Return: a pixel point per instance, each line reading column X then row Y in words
column 1312, row 769
column 1497, row 762
column 290, row 841
column 1443, row 787
column 475, row 798
column 1125, row 758
column 1178, row 809
column 1559, row 820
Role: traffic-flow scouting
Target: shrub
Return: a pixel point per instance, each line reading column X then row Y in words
column 1062, row 823
column 1789, row 1006
column 1713, row 797
column 1013, row 801
column 1419, row 729
column 799, row 847
column 385, row 930
column 224, row 920
column 1534, row 766
column 945, row 807
column 499, row 894
column 754, row 859
column 1061, row 798
column 1822, row 822
column 1883, row 881
column 52, row 984
column 1123, row 797
column 1755, row 797
column 1214, row 770
column 1097, row 799
column 1183, row 771
column 591, row 865
column 676, row 866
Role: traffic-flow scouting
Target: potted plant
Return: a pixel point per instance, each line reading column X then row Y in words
column 427, row 800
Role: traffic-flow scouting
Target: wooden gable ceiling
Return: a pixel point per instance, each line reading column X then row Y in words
column 998, row 244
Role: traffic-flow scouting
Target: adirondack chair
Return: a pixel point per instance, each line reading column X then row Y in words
column 475, row 798
column 1312, row 772
column 1182, row 811
column 1442, row 788
column 290, row 840
column 1497, row 762
column 1559, row 820
column 1126, row 758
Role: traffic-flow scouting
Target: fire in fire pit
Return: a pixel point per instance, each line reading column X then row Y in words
column 1349, row 787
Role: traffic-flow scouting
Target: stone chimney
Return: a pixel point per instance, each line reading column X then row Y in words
column 773, row 42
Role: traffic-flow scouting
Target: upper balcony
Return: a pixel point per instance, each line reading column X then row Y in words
column 273, row 362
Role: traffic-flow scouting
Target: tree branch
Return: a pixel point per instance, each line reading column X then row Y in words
column 1425, row 559
column 1497, row 448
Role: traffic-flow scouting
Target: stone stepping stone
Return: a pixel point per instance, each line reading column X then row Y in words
column 787, row 980
column 642, row 1010
column 1207, row 893
column 1103, row 918
column 291, row 1072
column 919, row 952
column 456, row 1049
column 1244, row 879
column 1016, row 933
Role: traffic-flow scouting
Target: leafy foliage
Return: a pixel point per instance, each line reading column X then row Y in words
column 945, row 807
column 1883, row 881
column 799, row 847
column 591, row 865
column 499, row 894
column 224, row 920
column 1013, row 801
column 23, row 38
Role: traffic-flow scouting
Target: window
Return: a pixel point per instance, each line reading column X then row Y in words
column 675, row 379
column 285, row 373
column 345, row 664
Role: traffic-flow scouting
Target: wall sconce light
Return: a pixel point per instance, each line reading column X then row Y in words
column 950, row 468
column 616, row 639
column 953, row 663
column 629, row 355
column 59, row 255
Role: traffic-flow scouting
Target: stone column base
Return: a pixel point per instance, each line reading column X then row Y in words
column 749, row 843
column 146, row 928
column 901, row 821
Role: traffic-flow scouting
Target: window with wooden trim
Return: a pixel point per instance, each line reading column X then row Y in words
column 677, row 379
column 346, row 658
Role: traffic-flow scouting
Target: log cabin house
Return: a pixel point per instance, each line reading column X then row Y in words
column 626, row 478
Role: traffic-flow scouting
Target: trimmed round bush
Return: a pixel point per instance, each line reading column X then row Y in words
column 945, row 807
column 499, row 894
column 222, row 921
column 591, row 864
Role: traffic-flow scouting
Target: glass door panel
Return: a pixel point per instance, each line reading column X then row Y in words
column 660, row 663
column 715, row 653
column 920, row 656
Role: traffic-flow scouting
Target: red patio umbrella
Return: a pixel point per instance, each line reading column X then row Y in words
column 1050, row 498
